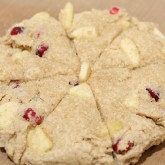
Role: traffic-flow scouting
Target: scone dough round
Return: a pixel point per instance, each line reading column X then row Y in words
column 87, row 89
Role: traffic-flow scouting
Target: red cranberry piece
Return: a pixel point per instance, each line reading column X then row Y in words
column 114, row 10
column 28, row 114
column 31, row 116
column 41, row 50
column 115, row 146
column 38, row 120
column 73, row 83
column 124, row 151
column 17, row 30
column 153, row 94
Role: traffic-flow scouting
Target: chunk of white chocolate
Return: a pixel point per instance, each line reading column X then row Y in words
column 85, row 72
column 132, row 101
column 8, row 113
column 125, row 24
column 82, row 90
column 20, row 56
column 158, row 33
column 114, row 126
column 38, row 140
column 130, row 49
column 66, row 16
column 84, row 33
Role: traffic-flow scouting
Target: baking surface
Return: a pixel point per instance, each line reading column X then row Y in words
column 12, row 11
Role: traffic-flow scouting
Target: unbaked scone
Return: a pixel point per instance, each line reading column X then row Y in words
column 135, row 98
column 25, row 105
column 75, row 132
column 87, row 89
column 136, row 47
column 131, row 134
column 36, row 48
column 140, row 91
column 92, row 31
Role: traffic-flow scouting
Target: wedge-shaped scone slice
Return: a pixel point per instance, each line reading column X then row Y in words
column 36, row 48
column 48, row 91
column 42, row 95
column 92, row 31
column 75, row 130
column 140, row 91
column 25, row 105
column 134, row 48
column 131, row 134
column 134, row 124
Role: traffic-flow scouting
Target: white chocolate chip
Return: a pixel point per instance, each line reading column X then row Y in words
column 38, row 140
column 125, row 24
column 158, row 33
column 82, row 90
column 104, row 132
column 114, row 126
column 132, row 101
column 130, row 49
column 66, row 16
column 8, row 112
column 85, row 72
column 18, row 57
column 84, row 33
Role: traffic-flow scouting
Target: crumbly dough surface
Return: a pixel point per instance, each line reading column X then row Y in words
column 87, row 89
column 21, row 60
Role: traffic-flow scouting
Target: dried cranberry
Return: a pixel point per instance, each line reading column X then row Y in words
column 124, row 151
column 38, row 120
column 114, row 10
column 31, row 116
column 28, row 114
column 17, row 30
column 153, row 94
column 41, row 50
